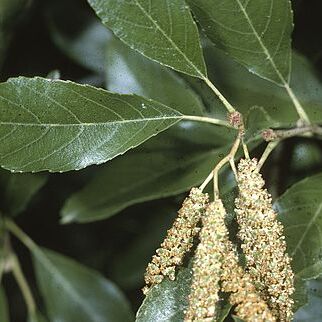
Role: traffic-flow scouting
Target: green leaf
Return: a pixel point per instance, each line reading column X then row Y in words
column 258, row 120
column 128, row 267
column 38, row 317
column 73, row 292
column 300, row 295
column 163, row 31
column 61, row 126
column 129, row 72
column 16, row 190
column 313, row 310
column 82, row 38
column 254, row 91
column 166, row 166
column 4, row 314
column 167, row 301
column 256, row 33
column 300, row 211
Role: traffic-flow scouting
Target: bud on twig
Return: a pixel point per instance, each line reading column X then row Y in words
column 236, row 120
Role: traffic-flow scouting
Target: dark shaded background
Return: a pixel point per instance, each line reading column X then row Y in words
column 101, row 245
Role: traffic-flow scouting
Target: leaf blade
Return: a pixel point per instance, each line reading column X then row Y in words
column 129, row 72
column 4, row 314
column 18, row 189
column 156, row 163
column 300, row 210
column 258, row 34
column 167, row 301
column 67, row 126
column 149, row 28
column 73, row 292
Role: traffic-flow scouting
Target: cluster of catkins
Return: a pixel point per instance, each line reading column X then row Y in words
column 260, row 290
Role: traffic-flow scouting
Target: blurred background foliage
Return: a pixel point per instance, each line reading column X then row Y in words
column 58, row 38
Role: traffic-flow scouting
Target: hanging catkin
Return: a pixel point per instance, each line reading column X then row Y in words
column 207, row 265
column 263, row 242
column 250, row 307
column 178, row 241
column 215, row 260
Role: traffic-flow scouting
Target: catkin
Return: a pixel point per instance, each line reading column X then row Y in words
column 263, row 242
column 216, row 268
column 250, row 307
column 178, row 241
column 207, row 265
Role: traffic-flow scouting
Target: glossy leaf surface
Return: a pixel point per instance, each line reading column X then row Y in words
column 60, row 126
column 129, row 72
column 149, row 173
column 162, row 30
column 73, row 292
column 257, row 33
column 300, row 210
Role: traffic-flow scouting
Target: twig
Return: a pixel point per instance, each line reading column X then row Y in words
column 246, row 153
column 207, row 120
column 23, row 285
column 276, row 134
column 270, row 147
column 228, row 158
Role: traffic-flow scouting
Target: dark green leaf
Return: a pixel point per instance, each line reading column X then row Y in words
column 258, row 120
column 84, row 43
column 129, row 72
column 163, row 31
column 300, row 295
column 38, row 317
column 166, row 166
column 73, row 292
column 60, row 126
column 4, row 314
column 245, row 90
column 300, row 210
column 167, row 301
column 129, row 266
column 257, row 33
column 313, row 310
column 16, row 190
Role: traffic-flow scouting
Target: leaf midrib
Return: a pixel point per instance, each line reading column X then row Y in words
column 178, row 117
column 171, row 41
column 266, row 51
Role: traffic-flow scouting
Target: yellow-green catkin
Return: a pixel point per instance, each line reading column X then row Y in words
column 178, row 241
column 250, row 307
column 263, row 242
column 207, row 265
column 216, row 268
